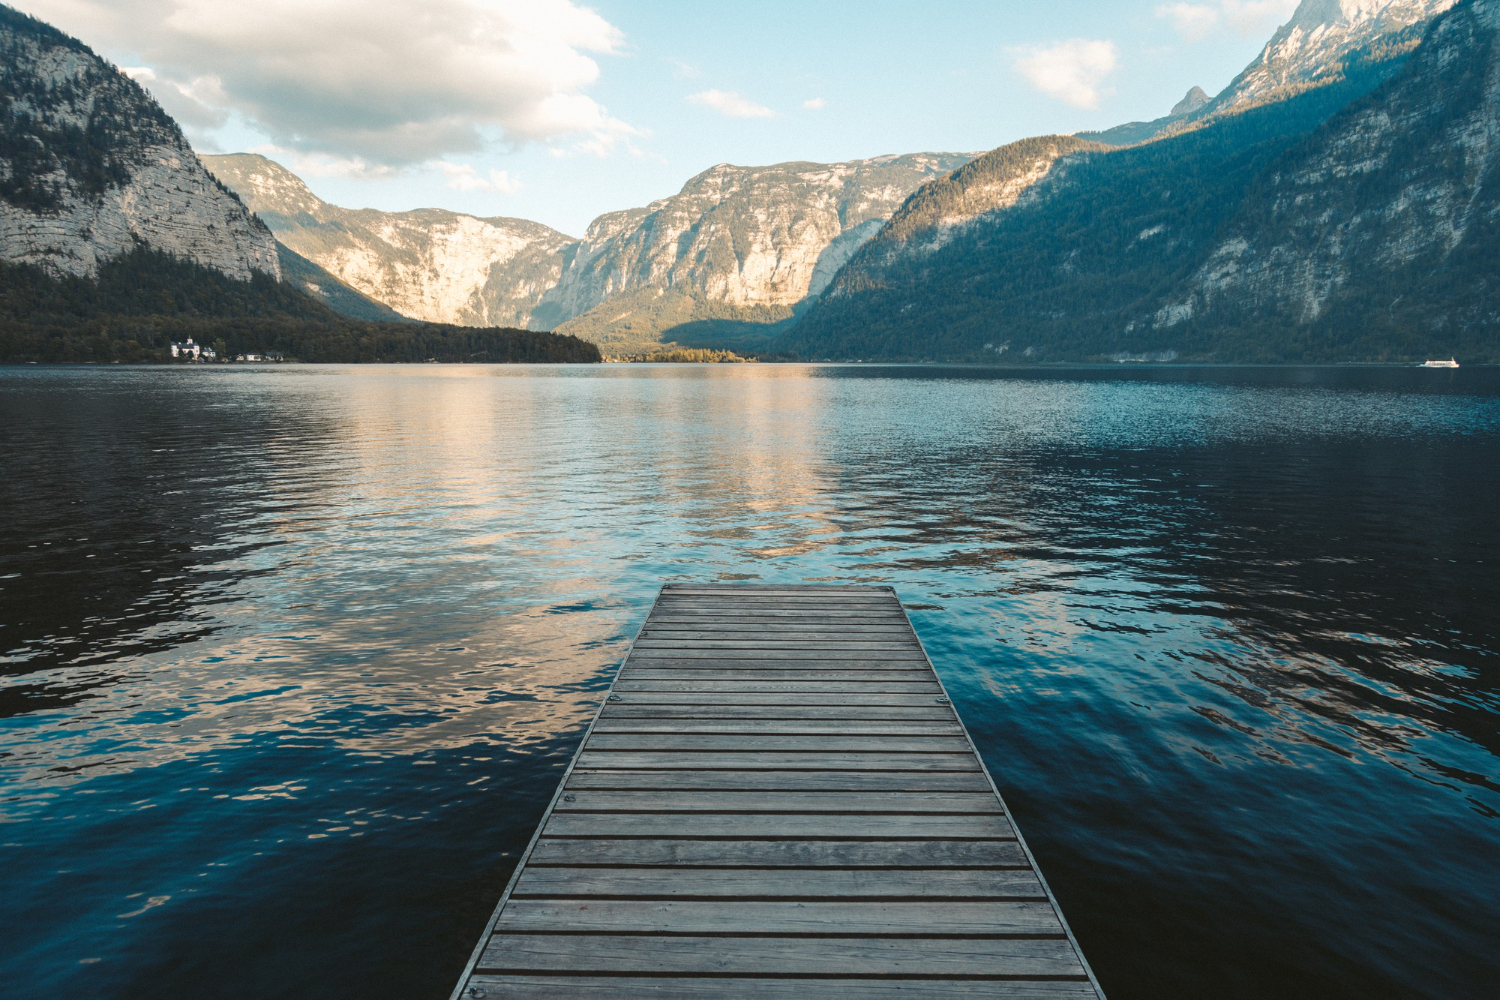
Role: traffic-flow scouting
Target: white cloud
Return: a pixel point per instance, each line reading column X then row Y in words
column 387, row 82
column 814, row 104
column 1248, row 18
column 1071, row 71
column 1193, row 21
column 464, row 177
column 730, row 105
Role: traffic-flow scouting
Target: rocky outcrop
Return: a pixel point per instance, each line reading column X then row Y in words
column 1310, row 49
column 430, row 264
column 91, row 167
column 755, row 241
column 1325, row 42
column 1395, row 198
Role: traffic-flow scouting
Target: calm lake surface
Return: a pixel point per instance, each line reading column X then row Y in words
column 291, row 658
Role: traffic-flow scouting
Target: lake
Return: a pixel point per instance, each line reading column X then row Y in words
column 292, row 658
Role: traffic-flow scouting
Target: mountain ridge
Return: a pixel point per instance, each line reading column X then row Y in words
column 735, row 244
column 1133, row 251
column 91, row 167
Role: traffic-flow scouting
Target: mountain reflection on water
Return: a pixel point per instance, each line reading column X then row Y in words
column 291, row 658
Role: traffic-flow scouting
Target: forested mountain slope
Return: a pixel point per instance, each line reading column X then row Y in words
column 1275, row 233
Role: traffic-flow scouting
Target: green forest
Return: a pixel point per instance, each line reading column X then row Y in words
column 144, row 300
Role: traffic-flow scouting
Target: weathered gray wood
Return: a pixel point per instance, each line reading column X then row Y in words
column 543, row 987
column 923, row 854
column 730, row 665
column 777, row 801
column 765, row 744
column 695, row 673
column 815, row 633
column 784, row 727
column 635, row 760
column 769, row 883
column 762, row 917
column 801, row 781
column 668, row 613
column 673, row 652
column 964, row 803
column 909, row 645
column 729, row 699
column 862, row 956
column 783, row 825
column 781, row 685
column 624, row 710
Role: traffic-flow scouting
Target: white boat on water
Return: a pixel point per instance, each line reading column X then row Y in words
column 1450, row 363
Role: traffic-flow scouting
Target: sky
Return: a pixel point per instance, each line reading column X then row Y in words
column 560, row 110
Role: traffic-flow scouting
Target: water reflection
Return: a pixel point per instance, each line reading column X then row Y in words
column 315, row 641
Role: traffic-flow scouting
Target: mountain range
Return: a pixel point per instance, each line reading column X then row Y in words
column 737, row 245
column 1332, row 203
column 1347, row 214
column 115, row 240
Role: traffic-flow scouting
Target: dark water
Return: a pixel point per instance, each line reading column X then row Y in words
column 292, row 657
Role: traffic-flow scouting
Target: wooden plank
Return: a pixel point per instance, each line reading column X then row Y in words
column 773, row 588
column 552, row 916
column 750, row 685
column 746, row 652
column 543, row 987
column 770, row 600
column 690, row 761
column 728, row 664
column 895, row 826
column 809, row 615
column 727, row 699
column 847, row 803
column 763, row 744
column 731, row 630
column 856, row 956
column 625, row 710
column 694, row 672
column 762, row 642
column 747, row 853
column 783, row 727
column 798, row 883
column 826, row 781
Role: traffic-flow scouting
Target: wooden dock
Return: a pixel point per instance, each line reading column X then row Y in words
column 777, row 800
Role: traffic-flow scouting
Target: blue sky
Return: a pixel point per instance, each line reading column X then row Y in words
column 557, row 111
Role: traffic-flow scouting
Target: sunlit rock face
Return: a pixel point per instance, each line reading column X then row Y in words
column 91, row 167
column 1310, row 48
column 744, row 237
column 734, row 242
column 430, row 264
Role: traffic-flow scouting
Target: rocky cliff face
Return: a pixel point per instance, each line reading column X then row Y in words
column 735, row 244
column 1391, row 203
column 430, row 264
column 1310, row 49
column 91, row 167
column 1325, row 42
column 751, row 242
